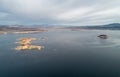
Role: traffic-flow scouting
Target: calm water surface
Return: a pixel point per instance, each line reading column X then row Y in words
column 66, row 54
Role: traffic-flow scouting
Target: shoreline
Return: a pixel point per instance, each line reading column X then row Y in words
column 21, row 32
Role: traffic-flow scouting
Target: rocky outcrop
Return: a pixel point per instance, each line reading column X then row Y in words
column 103, row 36
column 25, row 44
column 29, row 47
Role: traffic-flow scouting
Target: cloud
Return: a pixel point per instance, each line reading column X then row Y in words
column 73, row 12
column 3, row 15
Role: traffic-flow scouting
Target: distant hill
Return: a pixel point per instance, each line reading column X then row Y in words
column 17, row 28
column 113, row 26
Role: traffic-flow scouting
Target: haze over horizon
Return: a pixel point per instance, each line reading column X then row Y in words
column 60, row 12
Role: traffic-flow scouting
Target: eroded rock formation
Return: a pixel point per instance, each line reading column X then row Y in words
column 25, row 44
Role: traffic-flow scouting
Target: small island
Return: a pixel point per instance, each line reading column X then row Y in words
column 103, row 36
column 25, row 44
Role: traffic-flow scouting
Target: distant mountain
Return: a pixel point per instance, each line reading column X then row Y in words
column 17, row 28
column 113, row 26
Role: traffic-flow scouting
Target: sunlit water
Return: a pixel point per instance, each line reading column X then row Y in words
column 66, row 54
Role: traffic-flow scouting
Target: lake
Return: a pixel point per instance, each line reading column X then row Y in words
column 66, row 54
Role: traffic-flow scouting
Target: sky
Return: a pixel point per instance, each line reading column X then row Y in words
column 59, row 12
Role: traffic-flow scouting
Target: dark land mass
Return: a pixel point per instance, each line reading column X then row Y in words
column 113, row 26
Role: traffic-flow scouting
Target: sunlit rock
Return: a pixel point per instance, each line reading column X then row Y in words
column 25, row 44
column 35, row 47
column 29, row 47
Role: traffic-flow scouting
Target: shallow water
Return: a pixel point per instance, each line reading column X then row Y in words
column 66, row 54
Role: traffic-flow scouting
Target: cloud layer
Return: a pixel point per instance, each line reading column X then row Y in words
column 61, row 12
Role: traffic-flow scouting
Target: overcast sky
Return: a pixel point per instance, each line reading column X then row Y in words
column 61, row 12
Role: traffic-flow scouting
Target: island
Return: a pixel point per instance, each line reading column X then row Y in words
column 25, row 44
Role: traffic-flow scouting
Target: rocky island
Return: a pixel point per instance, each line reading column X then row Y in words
column 25, row 44
column 103, row 36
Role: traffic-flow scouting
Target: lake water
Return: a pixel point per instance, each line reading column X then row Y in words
column 66, row 54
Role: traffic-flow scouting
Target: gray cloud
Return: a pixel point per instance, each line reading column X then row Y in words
column 73, row 12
